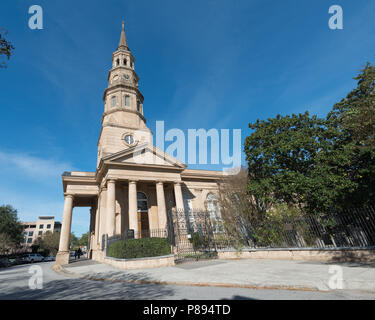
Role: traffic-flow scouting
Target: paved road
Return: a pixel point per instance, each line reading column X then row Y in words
column 14, row 284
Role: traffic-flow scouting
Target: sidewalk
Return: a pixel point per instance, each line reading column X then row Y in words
column 247, row 273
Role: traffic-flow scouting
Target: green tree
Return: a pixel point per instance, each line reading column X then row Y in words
column 294, row 159
column 83, row 241
column 317, row 164
column 6, row 48
column 74, row 241
column 10, row 225
column 5, row 243
column 355, row 114
column 353, row 120
column 49, row 243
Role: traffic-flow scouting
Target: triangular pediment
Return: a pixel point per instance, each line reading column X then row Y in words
column 144, row 154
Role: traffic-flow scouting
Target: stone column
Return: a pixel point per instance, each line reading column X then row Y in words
column 178, row 196
column 92, row 221
column 97, row 222
column 63, row 254
column 162, row 211
column 133, row 212
column 111, row 207
column 102, row 214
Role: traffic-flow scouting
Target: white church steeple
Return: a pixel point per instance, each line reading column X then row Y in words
column 123, row 103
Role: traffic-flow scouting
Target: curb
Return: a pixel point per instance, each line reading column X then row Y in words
column 59, row 269
column 62, row 271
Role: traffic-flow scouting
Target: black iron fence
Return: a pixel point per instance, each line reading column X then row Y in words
column 348, row 228
column 197, row 235
column 192, row 233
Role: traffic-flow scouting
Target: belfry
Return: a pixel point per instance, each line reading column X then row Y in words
column 135, row 185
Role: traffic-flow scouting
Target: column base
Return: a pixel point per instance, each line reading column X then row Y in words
column 62, row 257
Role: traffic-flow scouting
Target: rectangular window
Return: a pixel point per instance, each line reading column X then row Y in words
column 48, row 226
column 31, row 233
column 29, row 240
column 40, row 233
column 41, row 226
column 113, row 101
column 127, row 101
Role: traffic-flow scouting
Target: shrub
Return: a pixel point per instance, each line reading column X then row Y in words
column 117, row 249
column 198, row 241
column 140, row 248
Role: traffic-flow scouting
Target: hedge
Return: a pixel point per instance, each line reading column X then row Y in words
column 139, row 248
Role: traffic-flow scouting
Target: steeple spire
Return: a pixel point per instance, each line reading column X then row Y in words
column 123, row 42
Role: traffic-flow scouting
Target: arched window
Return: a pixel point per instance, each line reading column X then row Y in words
column 142, row 202
column 188, row 206
column 113, row 101
column 125, row 62
column 138, row 106
column 117, row 62
column 213, row 209
column 127, row 101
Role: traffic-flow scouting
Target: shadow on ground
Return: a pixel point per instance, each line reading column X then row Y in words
column 71, row 289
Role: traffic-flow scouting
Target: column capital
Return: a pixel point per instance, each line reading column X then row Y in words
column 160, row 182
column 68, row 195
column 111, row 181
column 133, row 181
column 178, row 183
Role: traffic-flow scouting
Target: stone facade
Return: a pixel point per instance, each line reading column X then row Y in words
column 135, row 184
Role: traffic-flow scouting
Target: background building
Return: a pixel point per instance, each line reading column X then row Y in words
column 36, row 229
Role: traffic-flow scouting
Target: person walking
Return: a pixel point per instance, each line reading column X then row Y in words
column 75, row 254
column 79, row 252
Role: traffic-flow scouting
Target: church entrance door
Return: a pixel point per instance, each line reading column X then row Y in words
column 143, row 224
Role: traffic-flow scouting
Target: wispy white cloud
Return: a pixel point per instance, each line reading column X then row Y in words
column 33, row 167
column 31, row 206
column 32, row 185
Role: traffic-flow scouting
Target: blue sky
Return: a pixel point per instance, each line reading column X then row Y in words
column 202, row 64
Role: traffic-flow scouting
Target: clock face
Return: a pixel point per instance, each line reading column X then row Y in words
column 126, row 76
column 129, row 139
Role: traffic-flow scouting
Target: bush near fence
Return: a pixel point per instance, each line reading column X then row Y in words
column 139, row 248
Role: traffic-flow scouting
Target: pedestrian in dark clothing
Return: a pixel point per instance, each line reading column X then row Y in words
column 79, row 252
column 75, row 254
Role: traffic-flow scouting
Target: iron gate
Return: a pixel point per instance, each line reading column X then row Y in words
column 192, row 235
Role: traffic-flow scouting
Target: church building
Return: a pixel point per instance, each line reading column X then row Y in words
column 135, row 185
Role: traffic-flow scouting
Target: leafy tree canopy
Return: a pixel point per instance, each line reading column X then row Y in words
column 49, row 243
column 6, row 48
column 10, row 225
column 74, row 241
column 83, row 241
column 318, row 164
